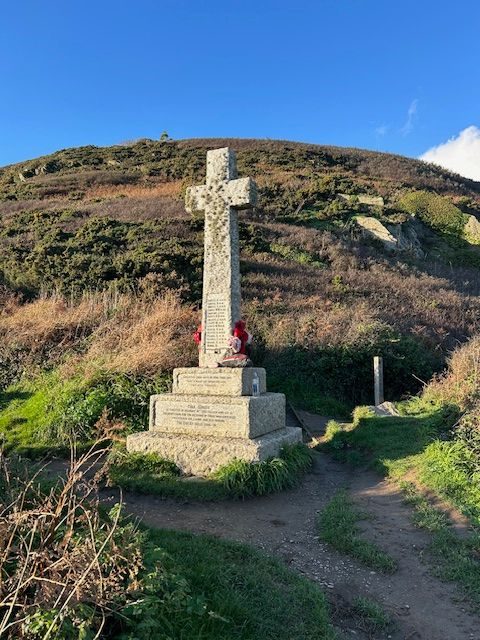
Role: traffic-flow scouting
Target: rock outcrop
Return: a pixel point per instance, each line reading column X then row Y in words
column 394, row 237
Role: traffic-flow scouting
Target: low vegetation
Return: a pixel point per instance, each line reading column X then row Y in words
column 433, row 445
column 72, row 570
column 370, row 616
column 436, row 437
column 148, row 473
column 338, row 526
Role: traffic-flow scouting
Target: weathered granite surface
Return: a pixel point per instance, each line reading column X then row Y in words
column 202, row 455
column 394, row 237
column 363, row 198
column 471, row 230
column 225, row 416
column 211, row 417
column 217, row 382
column 220, row 198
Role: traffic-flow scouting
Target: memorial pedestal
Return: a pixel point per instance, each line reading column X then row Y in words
column 211, row 418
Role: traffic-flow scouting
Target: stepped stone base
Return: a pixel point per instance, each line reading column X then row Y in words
column 201, row 455
column 217, row 382
column 223, row 416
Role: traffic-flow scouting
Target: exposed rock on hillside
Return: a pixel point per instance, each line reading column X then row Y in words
column 472, row 230
column 398, row 237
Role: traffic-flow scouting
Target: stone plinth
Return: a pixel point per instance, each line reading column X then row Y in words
column 212, row 417
column 224, row 416
column 201, row 456
column 217, row 382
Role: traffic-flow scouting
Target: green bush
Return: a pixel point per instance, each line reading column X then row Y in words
column 100, row 253
column 344, row 373
column 436, row 211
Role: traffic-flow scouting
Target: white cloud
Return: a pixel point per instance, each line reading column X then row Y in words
column 381, row 130
column 460, row 154
column 411, row 113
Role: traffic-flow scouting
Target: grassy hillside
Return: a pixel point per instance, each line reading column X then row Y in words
column 93, row 241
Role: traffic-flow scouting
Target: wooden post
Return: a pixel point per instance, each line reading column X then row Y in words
column 378, row 379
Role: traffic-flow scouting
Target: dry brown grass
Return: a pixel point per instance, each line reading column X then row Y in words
column 53, row 319
column 146, row 337
column 460, row 384
column 163, row 189
column 57, row 554
column 121, row 333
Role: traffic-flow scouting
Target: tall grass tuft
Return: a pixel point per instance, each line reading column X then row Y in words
column 243, row 479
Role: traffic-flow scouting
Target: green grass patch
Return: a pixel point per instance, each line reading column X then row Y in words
column 452, row 470
column 417, row 441
column 148, row 473
column 250, row 595
column 389, row 445
column 457, row 560
column 425, row 515
column 42, row 415
column 38, row 416
column 338, row 526
column 371, row 617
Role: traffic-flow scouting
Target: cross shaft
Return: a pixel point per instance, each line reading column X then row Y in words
column 220, row 198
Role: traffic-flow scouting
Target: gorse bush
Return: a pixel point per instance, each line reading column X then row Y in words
column 435, row 211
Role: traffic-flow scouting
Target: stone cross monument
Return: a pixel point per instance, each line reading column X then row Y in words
column 220, row 198
column 212, row 416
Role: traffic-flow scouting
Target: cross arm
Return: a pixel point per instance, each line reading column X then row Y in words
column 196, row 198
column 242, row 193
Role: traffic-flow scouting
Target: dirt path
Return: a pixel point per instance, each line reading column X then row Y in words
column 284, row 525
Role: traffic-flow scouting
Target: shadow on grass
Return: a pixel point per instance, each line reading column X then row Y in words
column 7, row 397
column 385, row 443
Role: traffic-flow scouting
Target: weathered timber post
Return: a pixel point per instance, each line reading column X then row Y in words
column 378, row 379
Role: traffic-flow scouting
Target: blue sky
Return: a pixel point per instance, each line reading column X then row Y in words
column 399, row 76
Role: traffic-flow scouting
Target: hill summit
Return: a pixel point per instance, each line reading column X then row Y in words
column 348, row 254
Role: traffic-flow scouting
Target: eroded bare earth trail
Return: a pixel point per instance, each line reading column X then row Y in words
column 422, row 606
